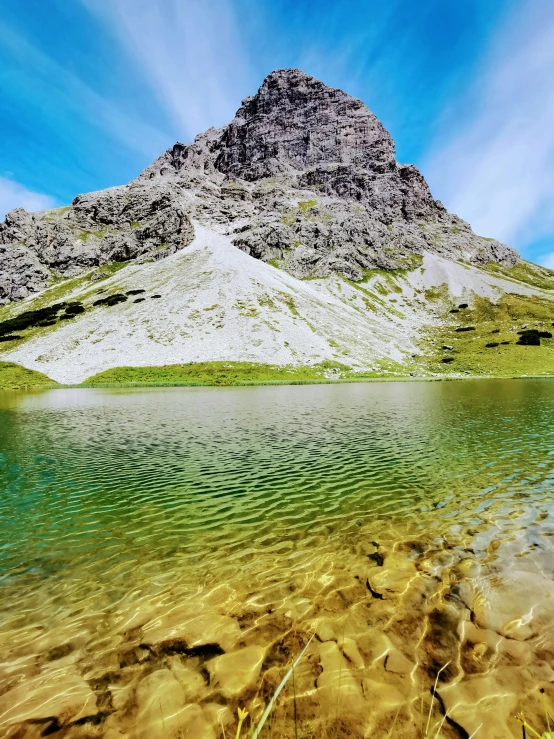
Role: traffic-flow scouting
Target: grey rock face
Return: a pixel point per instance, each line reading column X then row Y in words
column 118, row 224
column 305, row 175
column 318, row 184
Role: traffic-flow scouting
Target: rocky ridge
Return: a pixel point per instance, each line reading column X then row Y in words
column 305, row 177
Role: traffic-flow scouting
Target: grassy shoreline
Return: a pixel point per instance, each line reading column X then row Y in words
column 227, row 374
column 15, row 377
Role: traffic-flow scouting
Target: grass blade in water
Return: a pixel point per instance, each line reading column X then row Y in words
column 280, row 687
column 433, row 697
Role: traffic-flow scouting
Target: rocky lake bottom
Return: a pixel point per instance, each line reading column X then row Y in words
column 167, row 554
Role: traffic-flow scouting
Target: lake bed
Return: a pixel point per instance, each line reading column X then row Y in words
column 166, row 554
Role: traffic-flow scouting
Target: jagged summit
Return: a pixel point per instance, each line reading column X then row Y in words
column 304, row 176
column 311, row 135
column 295, row 123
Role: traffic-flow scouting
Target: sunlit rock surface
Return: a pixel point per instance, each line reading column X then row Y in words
column 473, row 609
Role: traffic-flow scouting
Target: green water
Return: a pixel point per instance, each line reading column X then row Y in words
column 133, row 518
column 108, row 481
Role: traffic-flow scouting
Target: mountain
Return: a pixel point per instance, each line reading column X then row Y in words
column 305, row 180
column 304, row 174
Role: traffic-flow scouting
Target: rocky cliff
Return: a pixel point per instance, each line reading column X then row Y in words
column 305, row 177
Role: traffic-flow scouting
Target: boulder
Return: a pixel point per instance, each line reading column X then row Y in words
column 394, row 577
column 337, row 685
column 516, row 605
column 192, row 629
column 59, row 693
column 480, row 705
column 395, row 661
column 162, row 712
column 234, row 673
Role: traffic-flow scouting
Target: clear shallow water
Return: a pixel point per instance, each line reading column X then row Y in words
column 112, row 498
column 94, row 477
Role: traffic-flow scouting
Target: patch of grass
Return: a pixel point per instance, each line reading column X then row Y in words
column 526, row 272
column 112, row 268
column 384, row 367
column 476, row 352
column 288, row 218
column 411, row 262
column 217, row 373
column 437, row 293
column 288, row 300
column 15, row 377
column 246, row 309
column 306, row 205
column 266, row 301
column 84, row 235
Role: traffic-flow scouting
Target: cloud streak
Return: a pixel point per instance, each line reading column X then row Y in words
column 49, row 86
column 190, row 51
column 14, row 195
column 497, row 168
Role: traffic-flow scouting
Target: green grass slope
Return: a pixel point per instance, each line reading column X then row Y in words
column 470, row 330
column 15, row 377
column 217, row 373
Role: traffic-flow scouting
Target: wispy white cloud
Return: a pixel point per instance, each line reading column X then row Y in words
column 495, row 167
column 190, row 51
column 14, row 195
column 49, row 85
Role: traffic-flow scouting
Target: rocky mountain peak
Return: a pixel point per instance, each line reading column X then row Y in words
column 304, row 176
column 292, row 124
column 308, row 135
column 296, row 123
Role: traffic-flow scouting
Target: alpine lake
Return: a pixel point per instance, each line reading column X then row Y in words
column 168, row 554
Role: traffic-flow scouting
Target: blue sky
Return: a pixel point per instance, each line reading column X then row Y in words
column 94, row 90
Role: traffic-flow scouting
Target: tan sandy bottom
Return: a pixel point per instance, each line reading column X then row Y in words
column 390, row 604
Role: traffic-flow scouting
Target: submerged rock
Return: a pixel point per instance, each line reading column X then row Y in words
column 162, row 711
column 192, row 631
column 337, row 680
column 234, row 673
column 481, row 705
column 395, row 661
column 59, row 693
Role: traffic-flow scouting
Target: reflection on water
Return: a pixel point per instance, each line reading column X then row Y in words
column 267, row 514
